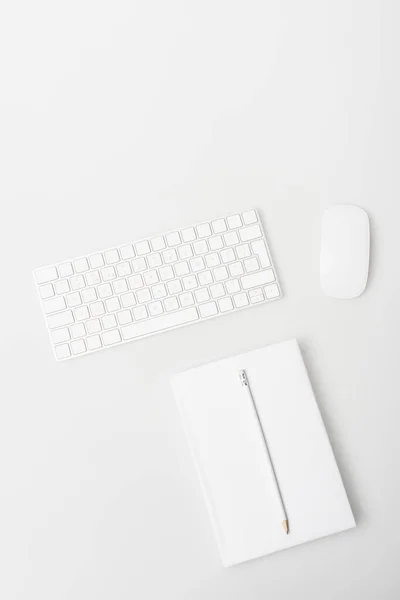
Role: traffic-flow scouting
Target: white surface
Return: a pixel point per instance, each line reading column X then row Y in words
column 148, row 286
column 344, row 259
column 229, row 451
column 179, row 110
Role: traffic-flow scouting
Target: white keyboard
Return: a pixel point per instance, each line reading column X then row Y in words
column 159, row 283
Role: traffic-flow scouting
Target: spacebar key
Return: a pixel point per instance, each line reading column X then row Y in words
column 159, row 323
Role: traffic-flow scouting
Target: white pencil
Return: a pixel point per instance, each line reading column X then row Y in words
column 246, row 385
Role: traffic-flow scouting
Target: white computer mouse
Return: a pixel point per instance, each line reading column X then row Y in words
column 344, row 258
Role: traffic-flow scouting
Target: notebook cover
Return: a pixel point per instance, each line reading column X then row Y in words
column 228, row 451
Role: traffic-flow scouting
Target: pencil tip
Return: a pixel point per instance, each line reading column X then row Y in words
column 285, row 525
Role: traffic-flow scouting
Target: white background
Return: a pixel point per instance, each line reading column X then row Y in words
column 124, row 119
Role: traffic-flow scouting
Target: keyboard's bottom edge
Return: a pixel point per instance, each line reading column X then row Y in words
column 189, row 314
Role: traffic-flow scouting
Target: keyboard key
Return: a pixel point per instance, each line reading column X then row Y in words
column 174, row 287
column 234, row 222
column 241, row 300
column 81, row 265
column 257, row 279
column 203, row 230
column 185, row 252
column 74, row 299
column 127, row 252
column 60, row 335
column 219, row 226
column 166, row 273
column 93, row 278
column 231, row 238
column 81, row 313
column 154, row 260
column 173, row 239
column 120, row 286
column 112, row 304
column 109, row 321
column 96, row 261
column 186, row 299
column 260, row 249
column 208, row 310
column 62, row 351
column 171, row 304
column 169, row 256
column 139, row 264
column 225, row 304
column 78, row 330
column 65, row 270
column 197, row 264
column 200, row 247
column 108, row 273
column 139, row 313
column 135, row 282
column 228, row 255
column 78, row 347
column 60, row 319
column 142, row 248
column 104, row 290
column 54, row 305
column 256, row 295
column 250, row 233
column 271, row 291
column 249, row 217
column 205, row 278
column 155, row 308
column 165, row 321
column 111, row 337
column 212, row 260
column 157, row 243
column 143, row 295
column 89, row 295
column 46, row 291
column 97, row 309
column 159, row 291
column 190, row 282
column 93, row 326
column 111, row 256
column 151, row 277
column 202, row 295
column 236, row 269
column 124, row 317
column 216, row 242
column 124, row 269
column 77, row 282
column 251, row 264
column 188, row 235
column 220, row 273
column 232, row 286
column 128, row 300
column 243, row 251
column 61, row 286
column 182, row 268
column 93, row 342
column 46, row 275
column 217, row 290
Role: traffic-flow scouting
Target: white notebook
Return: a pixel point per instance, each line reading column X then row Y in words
column 229, row 452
